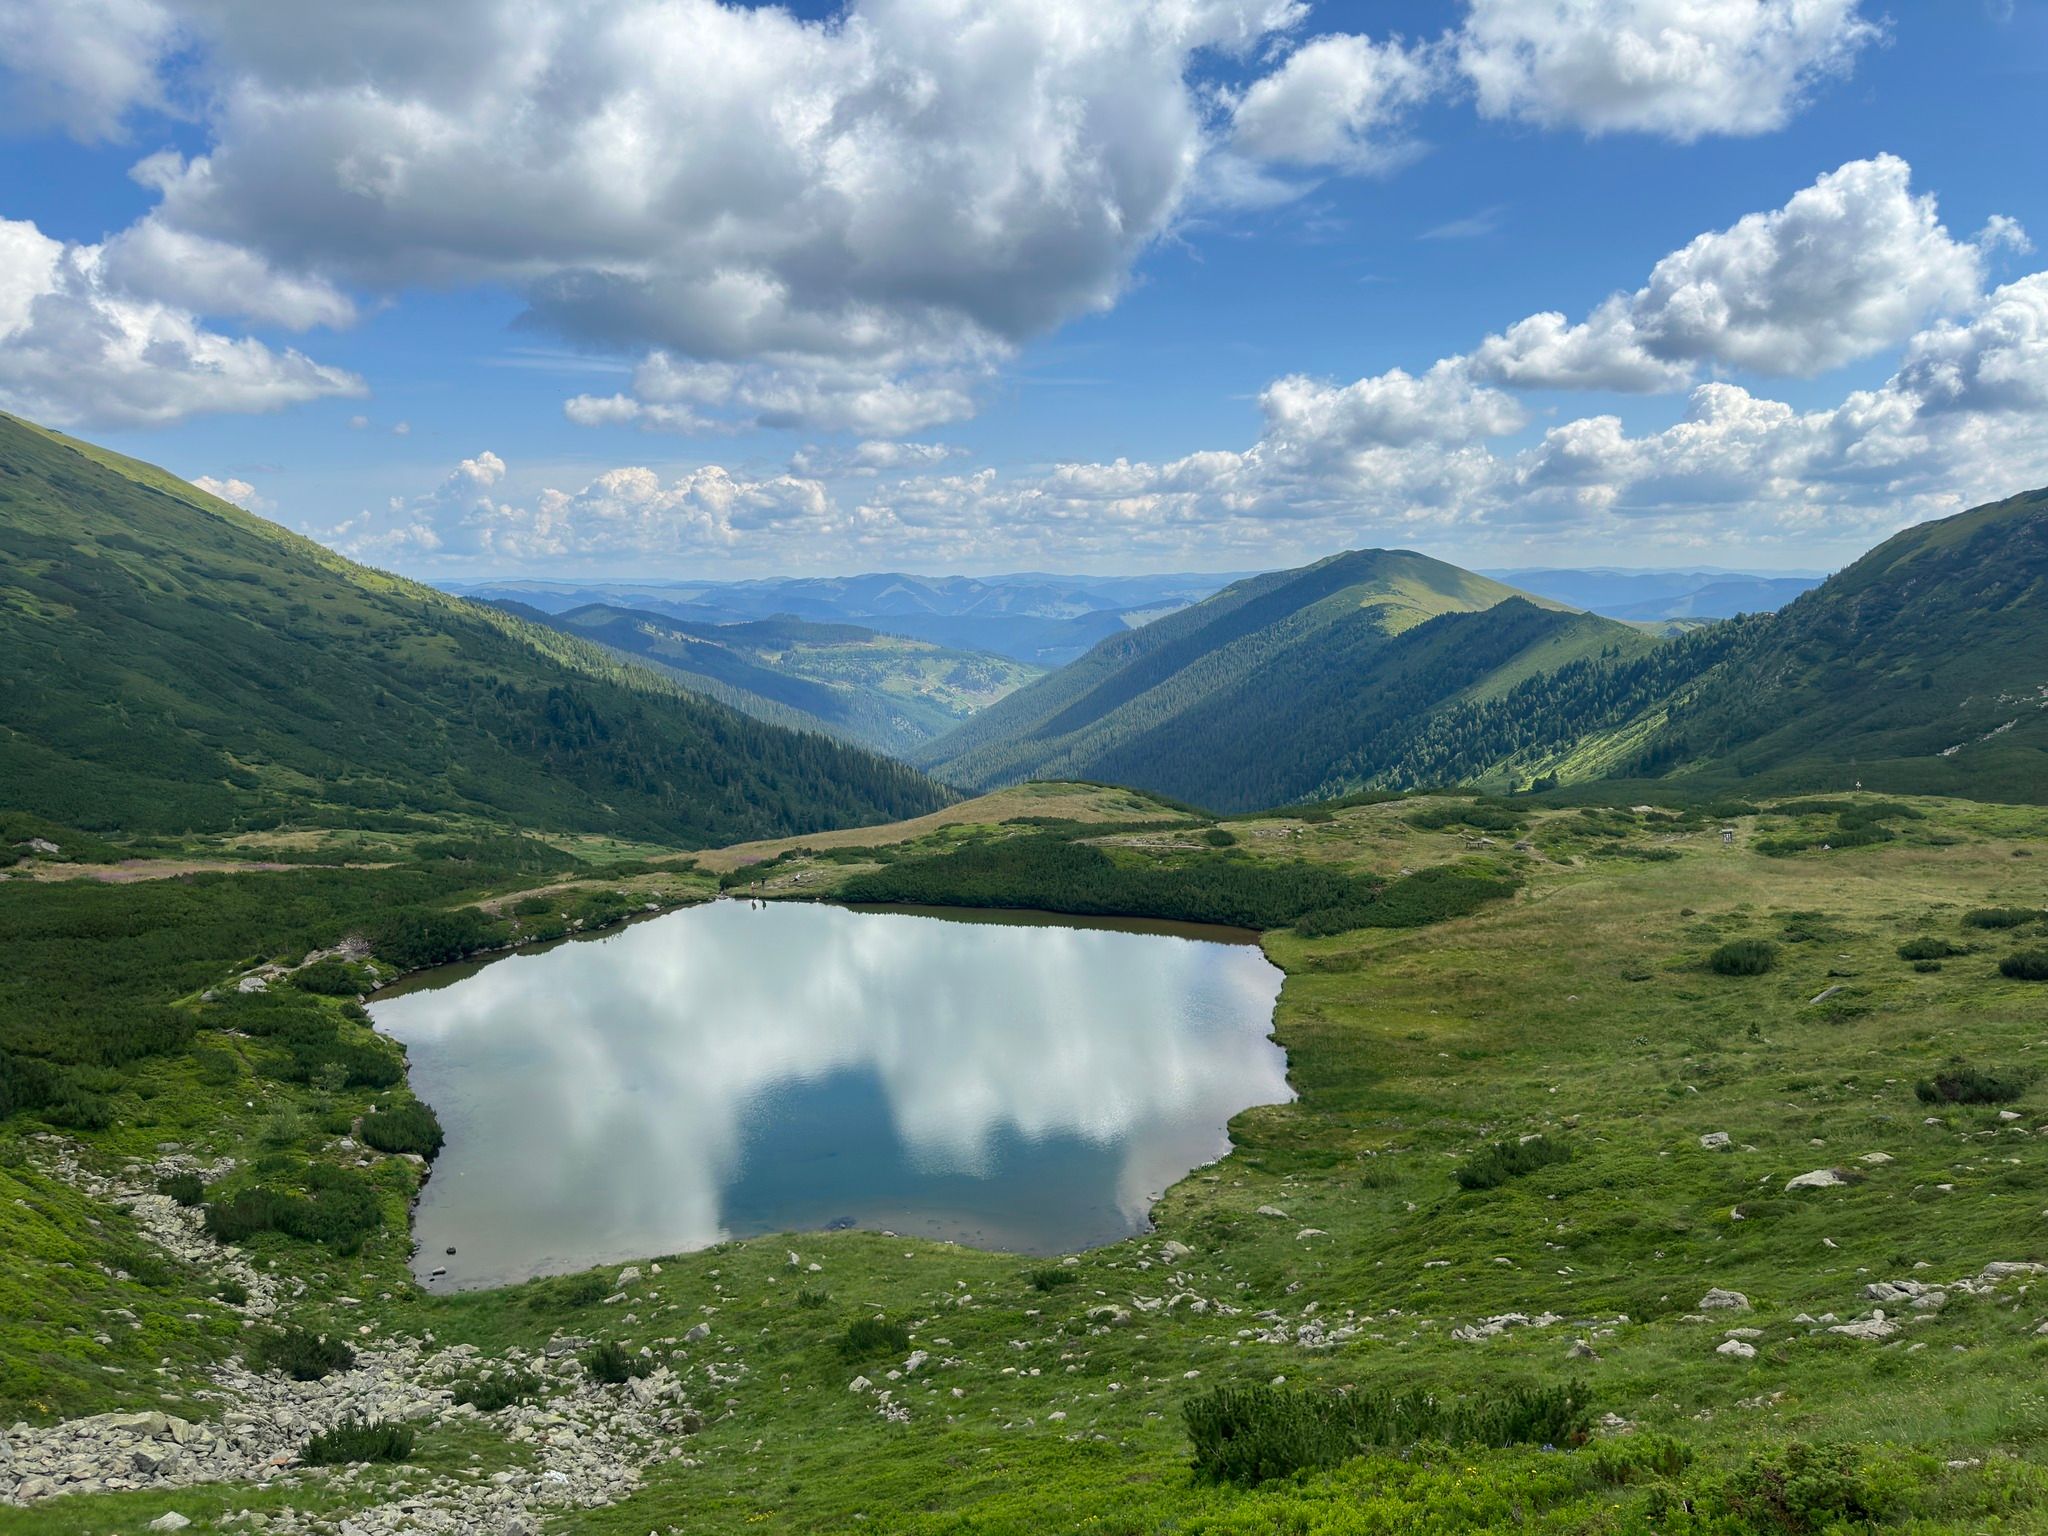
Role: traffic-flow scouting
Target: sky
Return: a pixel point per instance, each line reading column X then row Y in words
column 696, row 289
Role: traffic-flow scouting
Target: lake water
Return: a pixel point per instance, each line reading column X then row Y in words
column 1007, row 1081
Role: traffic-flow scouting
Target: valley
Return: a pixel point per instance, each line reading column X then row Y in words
column 1658, row 1124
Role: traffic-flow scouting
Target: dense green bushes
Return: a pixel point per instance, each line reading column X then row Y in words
column 490, row 1391
column 1743, row 957
column 185, row 1188
column 868, row 1337
column 1433, row 895
column 1247, row 1434
column 609, row 1363
column 1459, row 813
column 332, row 978
column 2025, row 965
column 342, row 1208
column 1794, row 1490
column 300, row 1354
column 425, row 936
column 1051, row 872
column 1961, row 1083
column 405, row 1127
column 1504, row 1160
column 2000, row 917
column 357, row 1440
column 1928, row 949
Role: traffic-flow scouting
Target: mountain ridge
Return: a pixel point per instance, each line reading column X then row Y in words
column 214, row 670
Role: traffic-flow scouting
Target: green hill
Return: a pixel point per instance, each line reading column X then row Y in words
column 887, row 692
column 1285, row 686
column 171, row 663
column 1922, row 667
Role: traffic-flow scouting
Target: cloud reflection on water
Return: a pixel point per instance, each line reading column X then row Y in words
column 611, row 1099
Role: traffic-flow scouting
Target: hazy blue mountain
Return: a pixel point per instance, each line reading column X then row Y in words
column 882, row 691
column 1649, row 595
column 1042, row 619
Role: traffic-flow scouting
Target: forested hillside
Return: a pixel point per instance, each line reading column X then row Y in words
column 877, row 690
column 1923, row 667
column 1285, row 686
column 170, row 663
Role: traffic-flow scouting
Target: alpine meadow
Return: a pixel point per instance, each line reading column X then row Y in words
column 986, row 767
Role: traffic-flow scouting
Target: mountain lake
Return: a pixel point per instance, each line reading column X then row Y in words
column 1005, row 1080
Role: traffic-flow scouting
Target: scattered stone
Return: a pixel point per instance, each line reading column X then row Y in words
column 1271, row 1210
column 1718, row 1300
column 1820, row 1178
column 1581, row 1350
column 1714, row 1141
column 1875, row 1159
column 1737, row 1349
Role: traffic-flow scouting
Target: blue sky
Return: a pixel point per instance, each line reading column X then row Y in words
column 670, row 287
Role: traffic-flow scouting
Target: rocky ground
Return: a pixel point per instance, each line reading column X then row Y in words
column 580, row 1443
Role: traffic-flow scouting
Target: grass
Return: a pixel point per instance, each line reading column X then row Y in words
column 1577, row 1010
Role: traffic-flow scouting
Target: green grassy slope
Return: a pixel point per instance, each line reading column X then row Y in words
column 1923, row 667
column 1336, row 1246
column 881, row 691
column 1287, row 685
column 170, row 663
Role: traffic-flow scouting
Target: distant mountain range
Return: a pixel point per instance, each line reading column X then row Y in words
column 1651, row 595
column 1923, row 666
column 170, row 663
column 1031, row 617
column 886, row 692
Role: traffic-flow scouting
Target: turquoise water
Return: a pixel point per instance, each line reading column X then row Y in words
column 730, row 1070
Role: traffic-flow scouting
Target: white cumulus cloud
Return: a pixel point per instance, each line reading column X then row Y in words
column 1681, row 68
column 75, row 348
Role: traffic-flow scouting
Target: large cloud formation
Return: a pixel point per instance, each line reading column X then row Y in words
column 1856, row 264
column 844, row 224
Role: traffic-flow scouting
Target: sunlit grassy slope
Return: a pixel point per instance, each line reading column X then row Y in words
column 170, row 663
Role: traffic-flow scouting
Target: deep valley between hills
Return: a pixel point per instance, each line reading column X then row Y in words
column 1664, row 1013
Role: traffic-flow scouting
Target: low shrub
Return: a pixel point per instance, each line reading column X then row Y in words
column 1961, row 1083
column 1248, row 1434
column 1796, row 1490
column 609, row 1363
column 1504, row 1160
column 300, row 1354
column 405, row 1127
column 1220, row 837
column 2025, row 965
column 343, row 1208
column 1743, row 957
column 331, row 978
column 355, row 1440
column 490, row 1391
column 811, row 1300
column 1052, row 1278
column 868, row 1337
column 419, row 936
column 1928, row 949
column 1999, row 917
column 1484, row 818
column 585, row 1290
column 188, row 1189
